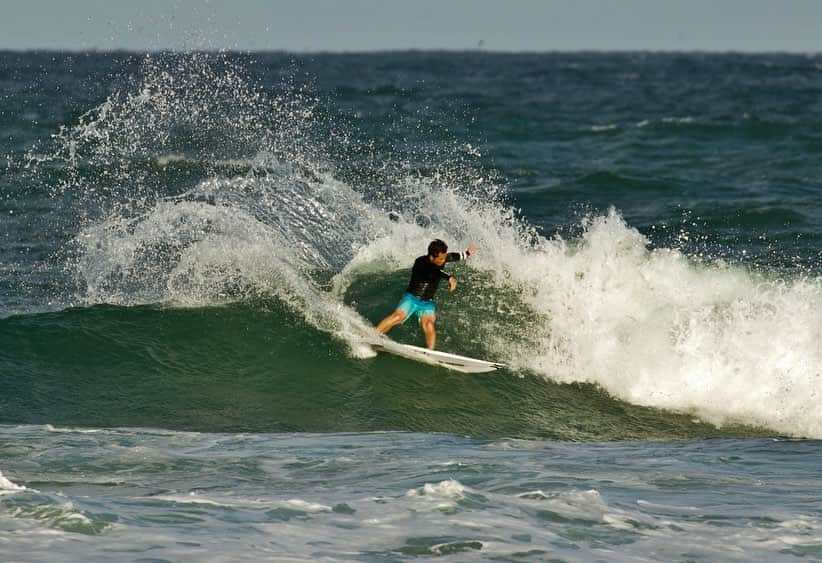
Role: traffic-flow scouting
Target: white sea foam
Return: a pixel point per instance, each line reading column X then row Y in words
column 656, row 328
column 7, row 487
column 189, row 252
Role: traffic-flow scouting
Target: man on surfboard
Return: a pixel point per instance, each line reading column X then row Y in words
column 425, row 278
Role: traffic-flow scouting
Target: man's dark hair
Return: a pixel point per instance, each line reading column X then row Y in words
column 436, row 248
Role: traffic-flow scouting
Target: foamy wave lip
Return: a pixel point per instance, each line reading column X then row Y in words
column 668, row 508
column 220, row 501
column 449, row 548
column 589, row 498
column 192, row 498
column 803, row 524
column 305, row 506
column 534, row 495
column 166, row 159
column 450, row 489
column 7, row 487
column 668, row 120
column 63, row 517
column 60, row 430
column 674, row 119
column 586, row 505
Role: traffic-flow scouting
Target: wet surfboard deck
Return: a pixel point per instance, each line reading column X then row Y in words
column 455, row 362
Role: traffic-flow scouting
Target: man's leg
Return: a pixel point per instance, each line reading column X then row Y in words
column 427, row 322
column 390, row 321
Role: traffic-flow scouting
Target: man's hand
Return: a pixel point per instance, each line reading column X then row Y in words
column 452, row 281
column 472, row 248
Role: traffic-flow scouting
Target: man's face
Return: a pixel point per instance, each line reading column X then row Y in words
column 439, row 259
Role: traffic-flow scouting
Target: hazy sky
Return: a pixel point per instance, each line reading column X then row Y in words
column 367, row 25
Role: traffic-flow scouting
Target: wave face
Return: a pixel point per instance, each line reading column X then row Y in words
column 212, row 218
column 262, row 368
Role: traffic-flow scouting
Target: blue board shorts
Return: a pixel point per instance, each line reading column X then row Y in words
column 413, row 305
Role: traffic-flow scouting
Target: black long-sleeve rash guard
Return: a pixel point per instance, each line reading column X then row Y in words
column 426, row 276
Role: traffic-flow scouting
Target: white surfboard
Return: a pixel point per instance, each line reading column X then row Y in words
column 433, row 357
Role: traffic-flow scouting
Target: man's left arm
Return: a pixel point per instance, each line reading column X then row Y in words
column 453, row 257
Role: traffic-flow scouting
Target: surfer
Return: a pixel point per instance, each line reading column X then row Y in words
column 425, row 278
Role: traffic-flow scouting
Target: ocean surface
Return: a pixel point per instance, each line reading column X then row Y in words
column 193, row 246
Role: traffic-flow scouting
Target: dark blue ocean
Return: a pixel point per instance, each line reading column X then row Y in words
column 194, row 245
